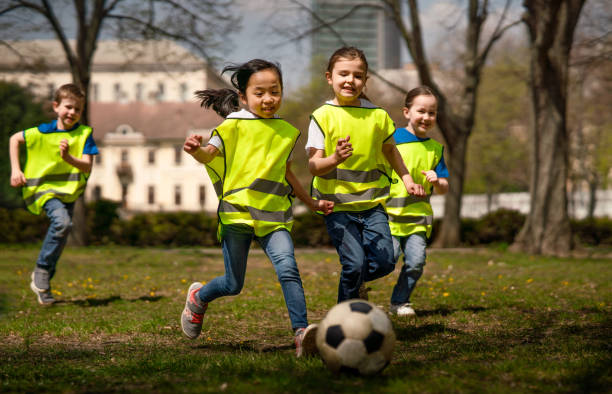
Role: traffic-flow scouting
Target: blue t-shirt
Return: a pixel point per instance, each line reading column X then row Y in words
column 402, row 136
column 90, row 147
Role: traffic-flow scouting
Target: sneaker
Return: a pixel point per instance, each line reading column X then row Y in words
column 363, row 292
column 402, row 310
column 193, row 314
column 44, row 297
column 40, row 280
column 306, row 341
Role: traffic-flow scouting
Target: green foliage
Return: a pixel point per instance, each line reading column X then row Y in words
column 500, row 226
column 19, row 110
column 595, row 231
column 498, row 149
column 174, row 229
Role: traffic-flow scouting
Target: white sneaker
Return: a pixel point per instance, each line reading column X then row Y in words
column 403, row 310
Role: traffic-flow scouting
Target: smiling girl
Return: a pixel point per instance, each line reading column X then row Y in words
column 248, row 160
column 350, row 146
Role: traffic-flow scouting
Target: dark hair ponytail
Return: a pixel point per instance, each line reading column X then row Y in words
column 222, row 101
column 226, row 101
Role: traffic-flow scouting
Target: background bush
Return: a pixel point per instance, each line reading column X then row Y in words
column 173, row 229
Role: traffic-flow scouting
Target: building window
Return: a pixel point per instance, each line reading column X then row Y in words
column 178, row 154
column 139, row 91
column 95, row 92
column 117, row 92
column 151, row 156
column 97, row 193
column 202, row 195
column 51, row 90
column 151, row 194
column 124, row 156
column 177, row 195
column 183, row 89
column 98, row 158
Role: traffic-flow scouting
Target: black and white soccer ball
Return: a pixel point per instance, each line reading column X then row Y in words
column 356, row 336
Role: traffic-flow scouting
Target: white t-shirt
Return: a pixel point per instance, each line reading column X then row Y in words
column 215, row 140
column 316, row 138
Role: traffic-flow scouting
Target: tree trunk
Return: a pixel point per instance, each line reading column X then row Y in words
column 551, row 26
column 450, row 230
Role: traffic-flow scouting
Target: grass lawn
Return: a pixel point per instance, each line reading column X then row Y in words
column 489, row 321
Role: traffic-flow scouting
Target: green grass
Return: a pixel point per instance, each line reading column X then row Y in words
column 489, row 321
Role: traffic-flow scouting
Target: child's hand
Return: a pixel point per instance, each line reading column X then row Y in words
column 17, row 178
column 344, row 149
column 192, row 143
column 431, row 176
column 416, row 189
column 324, row 206
column 64, row 147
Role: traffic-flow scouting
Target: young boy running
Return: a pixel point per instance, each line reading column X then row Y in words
column 59, row 160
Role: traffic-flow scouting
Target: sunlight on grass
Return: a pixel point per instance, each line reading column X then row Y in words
column 488, row 321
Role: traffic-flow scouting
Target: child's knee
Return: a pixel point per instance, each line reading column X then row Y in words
column 62, row 226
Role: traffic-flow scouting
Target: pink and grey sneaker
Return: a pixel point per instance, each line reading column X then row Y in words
column 306, row 341
column 193, row 314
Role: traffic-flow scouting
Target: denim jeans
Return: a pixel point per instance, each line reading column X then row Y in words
column 278, row 246
column 60, row 215
column 364, row 245
column 413, row 247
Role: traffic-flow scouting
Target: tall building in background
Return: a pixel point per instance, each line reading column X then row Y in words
column 368, row 29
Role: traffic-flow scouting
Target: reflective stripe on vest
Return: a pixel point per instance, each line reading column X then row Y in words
column 409, row 214
column 47, row 174
column 361, row 181
column 249, row 173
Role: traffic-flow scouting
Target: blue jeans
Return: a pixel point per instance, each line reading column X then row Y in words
column 364, row 245
column 278, row 246
column 60, row 215
column 413, row 247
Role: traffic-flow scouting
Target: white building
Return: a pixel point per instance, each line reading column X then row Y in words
column 141, row 110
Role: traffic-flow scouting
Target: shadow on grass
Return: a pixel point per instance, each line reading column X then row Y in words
column 450, row 311
column 245, row 346
column 89, row 302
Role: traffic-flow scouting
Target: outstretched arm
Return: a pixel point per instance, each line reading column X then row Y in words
column 395, row 159
column 17, row 177
column 315, row 205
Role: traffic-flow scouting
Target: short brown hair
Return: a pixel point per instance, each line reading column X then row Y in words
column 418, row 91
column 68, row 90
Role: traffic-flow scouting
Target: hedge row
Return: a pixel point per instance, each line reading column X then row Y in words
column 199, row 229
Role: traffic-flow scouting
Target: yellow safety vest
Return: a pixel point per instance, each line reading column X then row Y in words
column 47, row 174
column 409, row 214
column 361, row 181
column 249, row 173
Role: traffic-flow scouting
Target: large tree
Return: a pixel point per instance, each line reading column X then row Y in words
column 19, row 109
column 551, row 26
column 455, row 117
column 198, row 24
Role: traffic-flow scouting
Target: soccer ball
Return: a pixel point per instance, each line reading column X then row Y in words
column 357, row 337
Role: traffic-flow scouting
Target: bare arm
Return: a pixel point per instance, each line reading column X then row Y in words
column 193, row 146
column 17, row 177
column 395, row 159
column 319, row 165
column 315, row 205
column 84, row 163
column 440, row 185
